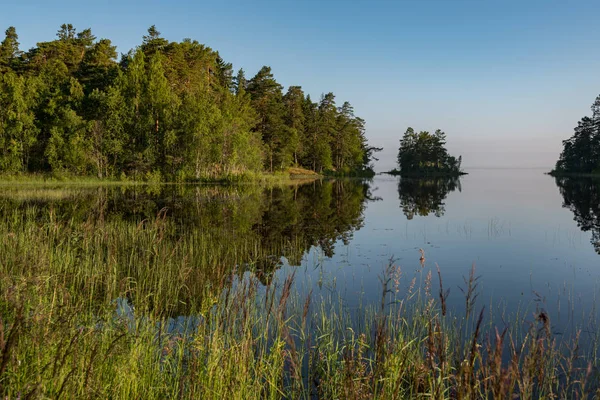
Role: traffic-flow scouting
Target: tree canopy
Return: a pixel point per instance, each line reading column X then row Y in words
column 164, row 111
column 581, row 152
column 425, row 154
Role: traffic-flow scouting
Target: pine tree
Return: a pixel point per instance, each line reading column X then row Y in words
column 9, row 51
column 581, row 152
column 267, row 100
column 294, row 120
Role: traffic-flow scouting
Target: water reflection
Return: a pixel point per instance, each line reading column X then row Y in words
column 194, row 237
column 425, row 196
column 582, row 196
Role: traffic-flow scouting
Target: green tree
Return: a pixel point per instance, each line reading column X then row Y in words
column 169, row 110
column 294, row 120
column 325, row 132
column 581, row 152
column 18, row 132
column 267, row 100
column 153, row 43
column 98, row 69
column 309, row 141
column 9, row 50
column 67, row 147
column 425, row 154
column 109, row 133
column 348, row 141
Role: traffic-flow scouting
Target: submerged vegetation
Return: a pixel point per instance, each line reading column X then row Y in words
column 424, row 154
column 170, row 292
column 581, row 152
column 167, row 111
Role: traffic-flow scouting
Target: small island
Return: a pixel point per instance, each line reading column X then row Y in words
column 424, row 155
column 581, row 152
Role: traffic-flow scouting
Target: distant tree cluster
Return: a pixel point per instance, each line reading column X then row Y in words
column 581, row 152
column 424, row 153
column 167, row 110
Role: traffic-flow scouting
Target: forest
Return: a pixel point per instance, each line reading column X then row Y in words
column 164, row 111
column 581, row 152
column 425, row 154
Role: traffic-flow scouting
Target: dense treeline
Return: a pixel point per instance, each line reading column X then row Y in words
column 581, row 152
column 425, row 154
column 166, row 110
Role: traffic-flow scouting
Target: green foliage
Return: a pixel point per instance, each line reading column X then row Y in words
column 267, row 100
column 168, row 109
column 424, row 153
column 18, row 132
column 581, row 152
column 9, row 50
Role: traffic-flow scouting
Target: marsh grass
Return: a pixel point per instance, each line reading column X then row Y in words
column 241, row 336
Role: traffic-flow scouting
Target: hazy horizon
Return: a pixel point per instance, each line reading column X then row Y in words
column 507, row 82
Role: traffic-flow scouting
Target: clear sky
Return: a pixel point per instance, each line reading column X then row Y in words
column 506, row 80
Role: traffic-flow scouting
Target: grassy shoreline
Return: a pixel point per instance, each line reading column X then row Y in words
column 293, row 175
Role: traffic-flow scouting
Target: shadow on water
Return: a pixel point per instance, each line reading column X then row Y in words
column 581, row 195
column 421, row 197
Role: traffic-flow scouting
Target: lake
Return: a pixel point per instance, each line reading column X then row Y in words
column 306, row 289
column 533, row 243
column 533, row 240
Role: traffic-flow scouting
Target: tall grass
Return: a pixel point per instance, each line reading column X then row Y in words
column 289, row 176
column 107, row 308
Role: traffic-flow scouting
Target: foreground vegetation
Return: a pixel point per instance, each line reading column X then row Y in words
column 167, row 111
column 424, row 155
column 119, row 295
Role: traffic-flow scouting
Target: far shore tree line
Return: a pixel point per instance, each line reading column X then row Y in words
column 166, row 111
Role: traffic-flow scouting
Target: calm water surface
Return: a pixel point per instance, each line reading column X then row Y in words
column 534, row 241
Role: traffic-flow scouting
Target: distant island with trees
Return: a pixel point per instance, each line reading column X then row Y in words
column 424, row 154
column 581, row 152
column 166, row 111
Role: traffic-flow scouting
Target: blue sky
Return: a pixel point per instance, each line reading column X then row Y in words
column 506, row 80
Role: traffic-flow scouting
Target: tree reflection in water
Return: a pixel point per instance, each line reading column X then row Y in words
column 243, row 227
column 581, row 195
column 425, row 196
